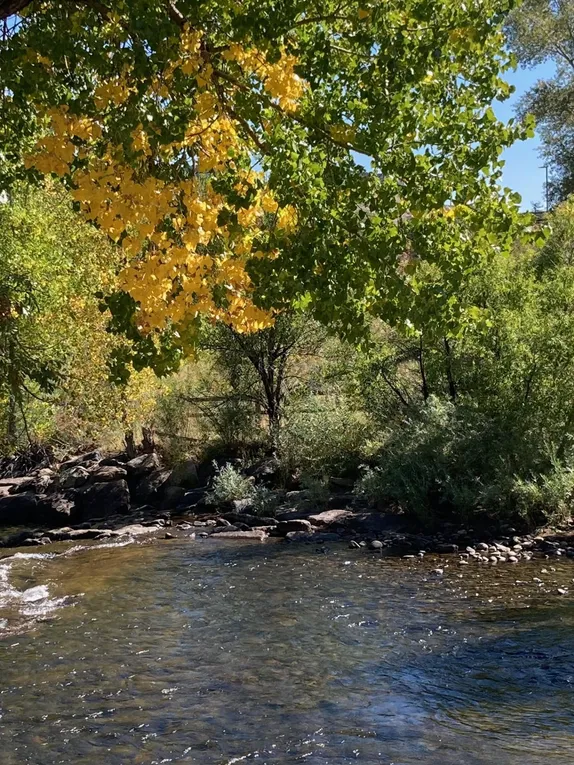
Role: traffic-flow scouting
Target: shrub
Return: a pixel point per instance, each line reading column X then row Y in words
column 321, row 441
column 228, row 485
column 449, row 461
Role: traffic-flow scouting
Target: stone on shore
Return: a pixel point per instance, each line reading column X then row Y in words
column 102, row 500
column 252, row 534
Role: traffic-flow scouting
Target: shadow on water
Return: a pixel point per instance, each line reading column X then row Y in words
column 216, row 653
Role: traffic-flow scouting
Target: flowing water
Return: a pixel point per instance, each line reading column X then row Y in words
column 217, row 653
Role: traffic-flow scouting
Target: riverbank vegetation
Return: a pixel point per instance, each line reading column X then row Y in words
column 397, row 327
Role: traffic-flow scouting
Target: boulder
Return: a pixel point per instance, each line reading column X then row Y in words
column 184, row 474
column 149, row 488
column 143, row 465
column 104, row 473
column 19, row 508
column 330, row 517
column 103, row 499
column 73, row 477
column 286, row 527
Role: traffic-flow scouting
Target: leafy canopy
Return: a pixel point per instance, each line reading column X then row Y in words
column 341, row 156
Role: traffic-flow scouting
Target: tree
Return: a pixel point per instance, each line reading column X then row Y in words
column 54, row 346
column 259, row 366
column 225, row 148
column 539, row 31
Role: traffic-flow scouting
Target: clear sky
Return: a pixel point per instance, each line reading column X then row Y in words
column 522, row 171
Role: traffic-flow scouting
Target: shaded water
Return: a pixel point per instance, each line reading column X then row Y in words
column 211, row 653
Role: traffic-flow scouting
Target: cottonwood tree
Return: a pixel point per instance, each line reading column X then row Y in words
column 340, row 155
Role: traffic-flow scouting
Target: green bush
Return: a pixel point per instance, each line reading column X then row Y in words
column 449, row 461
column 228, row 485
column 321, row 440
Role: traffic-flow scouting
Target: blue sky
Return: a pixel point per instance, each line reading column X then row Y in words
column 522, row 171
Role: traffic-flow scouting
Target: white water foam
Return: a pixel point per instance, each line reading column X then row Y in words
column 35, row 602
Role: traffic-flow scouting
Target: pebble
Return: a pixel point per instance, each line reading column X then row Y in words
column 437, row 571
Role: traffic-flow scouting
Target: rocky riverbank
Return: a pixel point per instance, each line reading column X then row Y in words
column 92, row 496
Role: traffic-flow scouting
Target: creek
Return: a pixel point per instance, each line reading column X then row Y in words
column 216, row 653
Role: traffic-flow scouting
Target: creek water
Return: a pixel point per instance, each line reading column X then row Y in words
column 218, row 653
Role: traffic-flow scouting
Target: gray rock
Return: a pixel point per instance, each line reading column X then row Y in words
column 94, row 456
column 136, row 530
column 73, row 477
column 104, row 473
column 285, row 527
column 143, row 465
column 252, row 534
column 376, row 544
column 330, row 517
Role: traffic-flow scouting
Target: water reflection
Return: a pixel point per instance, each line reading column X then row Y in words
column 209, row 653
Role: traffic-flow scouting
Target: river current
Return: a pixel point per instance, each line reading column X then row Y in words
column 216, row 653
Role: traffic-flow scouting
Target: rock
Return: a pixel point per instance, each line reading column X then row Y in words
column 242, row 505
column 149, row 488
column 94, row 456
column 330, row 517
column 136, row 530
column 445, row 549
column 375, row 544
column 482, row 546
column 298, row 536
column 294, row 514
column 168, row 535
column 184, row 474
column 249, row 520
column 16, row 509
column 73, row 477
column 143, row 465
column 252, row 534
column 104, row 473
column 225, row 529
column 562, row 591
column 103, row 500
column 23, row 484
column 437, row 571
column 354, row 545
column 114, row 461
column 61, row 509
column 285, row 527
